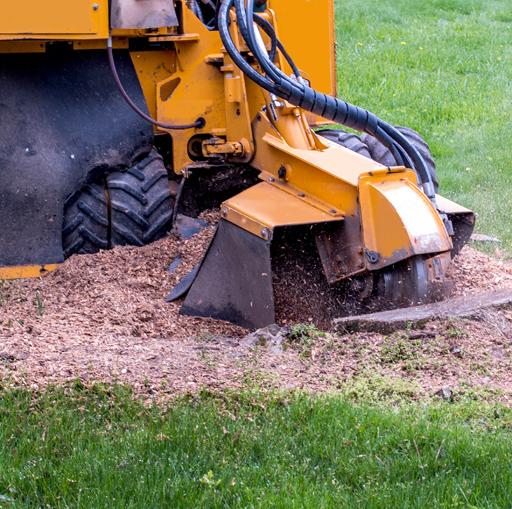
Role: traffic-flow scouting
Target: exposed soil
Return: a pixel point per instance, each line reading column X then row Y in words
column 103, row 318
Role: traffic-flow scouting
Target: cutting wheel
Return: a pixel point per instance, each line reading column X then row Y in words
column 419, row 280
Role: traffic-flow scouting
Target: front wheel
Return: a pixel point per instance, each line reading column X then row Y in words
column 348, row 140
column 141, row 203
column 132, row 207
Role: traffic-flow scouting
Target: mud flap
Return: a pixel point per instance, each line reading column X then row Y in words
column 234, row 281
column 63, row 124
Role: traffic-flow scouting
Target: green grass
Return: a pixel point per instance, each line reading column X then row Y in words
column 99, row 448
column 444, row 68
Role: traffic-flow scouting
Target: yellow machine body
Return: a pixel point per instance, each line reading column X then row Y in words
column 305, row 179
column 54, row 20
column 179, row 79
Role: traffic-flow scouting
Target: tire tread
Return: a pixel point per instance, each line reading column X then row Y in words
column 141, row 207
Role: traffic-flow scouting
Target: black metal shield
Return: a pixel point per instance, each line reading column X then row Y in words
column 234, row 282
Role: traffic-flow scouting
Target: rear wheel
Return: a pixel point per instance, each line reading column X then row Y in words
column 132, row 207
column 347, row 140
column 380, row 153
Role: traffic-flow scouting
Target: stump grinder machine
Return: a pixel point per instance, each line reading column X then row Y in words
column 116, row 114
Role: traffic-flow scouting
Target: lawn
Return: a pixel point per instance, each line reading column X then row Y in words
column 98, row 448
column 443, row 67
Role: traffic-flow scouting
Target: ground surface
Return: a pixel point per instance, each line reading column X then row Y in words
column 103, row 318
column 441, row 67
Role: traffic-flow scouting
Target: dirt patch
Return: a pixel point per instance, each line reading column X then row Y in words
column 463, row 356
column 113, row 293
column 103, row 318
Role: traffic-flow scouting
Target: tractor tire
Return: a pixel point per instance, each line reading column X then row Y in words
column 347, row 140
column 132, row 207
column 383, row 155
column 86, row 224
column 141, row 203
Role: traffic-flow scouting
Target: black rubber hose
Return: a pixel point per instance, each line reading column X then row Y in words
column 246, row 24
column 399, row 154
column 264, row 23
column 223, row 26
column 268, row 29
column 199, row 123
column 250, row 19
column 321, row 104
column 229, row 45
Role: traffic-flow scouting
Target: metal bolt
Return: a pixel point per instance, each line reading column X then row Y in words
column 271, row 179
column 224, row 212
column 95, row 6
column 265, row 233
column 302, row 195
column 372, row 257
column 333, row 211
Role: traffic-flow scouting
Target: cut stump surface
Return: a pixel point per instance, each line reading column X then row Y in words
column 390, row 321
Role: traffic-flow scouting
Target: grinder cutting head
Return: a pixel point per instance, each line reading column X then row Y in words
column 379, row 238
column 383, row 229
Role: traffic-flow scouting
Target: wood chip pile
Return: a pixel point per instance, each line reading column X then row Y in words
column 103, row 318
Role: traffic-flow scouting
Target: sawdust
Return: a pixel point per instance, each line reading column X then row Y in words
column 103, row 318
column 474, row 272
column 301, row 291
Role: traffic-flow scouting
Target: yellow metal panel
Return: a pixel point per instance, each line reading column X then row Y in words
column 450, row 207
column 25, row 271
column 264, row 206
column 22, row 46
column 307, row 29
column 336, row 160
column 330, row 176
column 47, row 19
column 92, row 44
column 153, row 67
column 398, row 219
column 195, row 90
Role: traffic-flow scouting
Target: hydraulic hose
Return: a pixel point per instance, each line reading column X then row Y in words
column 257, row 44
column 296, row 91
column 268, row 29
column 282, row 79
column 247, row 19
column 197, row 10
column 199, row 123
